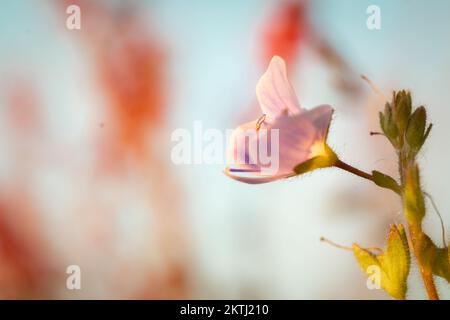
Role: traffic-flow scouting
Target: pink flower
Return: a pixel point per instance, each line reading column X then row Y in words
column 295, row 137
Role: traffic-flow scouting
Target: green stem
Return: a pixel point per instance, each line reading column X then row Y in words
column 421, row 243
column 414, row 209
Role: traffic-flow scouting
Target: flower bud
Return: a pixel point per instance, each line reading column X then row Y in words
column 415, row 133
column 402, row 110
column 388, row 125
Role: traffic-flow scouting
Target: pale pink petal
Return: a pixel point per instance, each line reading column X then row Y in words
column 296, row 136
column 274, row 91
column 320, row 118
column 257, row 179
column 246, row 132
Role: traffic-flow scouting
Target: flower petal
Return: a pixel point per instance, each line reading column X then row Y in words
column 320, row 118
column 257, row 179
column 239, row 152
column 274, row 91
column 296, row 136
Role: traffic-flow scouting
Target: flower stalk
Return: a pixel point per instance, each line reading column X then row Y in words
column 407, row 132
column 303, row 148
column 344, row 166
column 414, row 210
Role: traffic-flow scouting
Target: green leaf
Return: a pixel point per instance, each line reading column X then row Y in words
column 441, row 263
column 385, row 181
column 397, row 260
column 427, row 133
column 394, row 263
column 413, row 201
column 382, row 122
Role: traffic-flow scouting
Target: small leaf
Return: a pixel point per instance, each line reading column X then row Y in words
column 427, row 133
column 385, row 181
column 365, row 257
column 394, row 263
column 413, row 200
column 397, row 259
column 441, row 263
column 382, row 122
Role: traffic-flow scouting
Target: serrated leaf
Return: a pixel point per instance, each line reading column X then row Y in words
column 397, row 259
column 394, row 263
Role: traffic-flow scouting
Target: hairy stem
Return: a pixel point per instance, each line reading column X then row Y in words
column 421, row 241
column 414, row 210
column 344, row 166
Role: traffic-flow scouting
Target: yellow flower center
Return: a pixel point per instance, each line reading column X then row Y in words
column 318, row 149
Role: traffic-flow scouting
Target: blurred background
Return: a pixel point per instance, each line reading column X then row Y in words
column 86, row 117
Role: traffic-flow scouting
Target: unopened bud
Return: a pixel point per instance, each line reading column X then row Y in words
column 415, row 133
